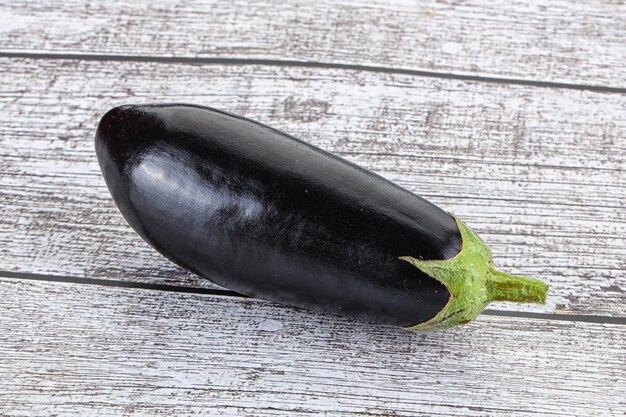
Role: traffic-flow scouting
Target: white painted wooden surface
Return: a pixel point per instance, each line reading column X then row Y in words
column 553, row 160
column 539, row 172
column 87, row 350
column 562, row 41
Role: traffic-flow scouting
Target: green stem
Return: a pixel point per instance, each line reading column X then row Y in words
column 505, row 287
column 473, row 282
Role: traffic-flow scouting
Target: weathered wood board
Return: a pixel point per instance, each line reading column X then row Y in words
column 509, row 114
column 539, row 172
column 77, row 350
column 560, row 41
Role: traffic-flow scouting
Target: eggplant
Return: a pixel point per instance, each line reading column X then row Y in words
column 269, row 216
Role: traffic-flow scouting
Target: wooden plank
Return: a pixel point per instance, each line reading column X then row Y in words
column 87, row 350
column 538, row 172
column 563, row 41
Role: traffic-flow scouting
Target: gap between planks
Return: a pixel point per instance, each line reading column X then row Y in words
column 309, row 64
column 564, row 41
column 227, row 293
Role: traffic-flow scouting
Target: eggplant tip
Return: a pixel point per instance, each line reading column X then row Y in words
column 473, row 283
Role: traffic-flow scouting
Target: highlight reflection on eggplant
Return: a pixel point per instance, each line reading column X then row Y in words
column 267, row 215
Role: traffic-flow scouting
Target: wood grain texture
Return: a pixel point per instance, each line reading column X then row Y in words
column 562, row 41
column 539, row 173
column 87, row 350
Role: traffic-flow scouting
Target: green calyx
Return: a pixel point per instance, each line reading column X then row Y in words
column 473, row 283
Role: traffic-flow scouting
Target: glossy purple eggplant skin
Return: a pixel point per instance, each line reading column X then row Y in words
column 267, row 215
